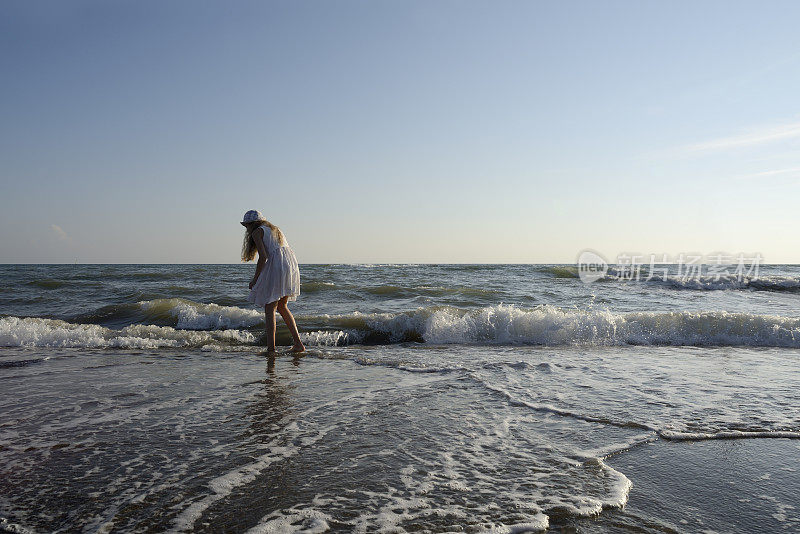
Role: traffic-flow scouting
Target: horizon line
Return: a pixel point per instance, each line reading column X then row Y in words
column 387, row 263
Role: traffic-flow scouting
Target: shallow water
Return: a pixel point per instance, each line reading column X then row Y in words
column 435, row 397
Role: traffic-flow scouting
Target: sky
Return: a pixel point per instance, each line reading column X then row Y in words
column 398, row 131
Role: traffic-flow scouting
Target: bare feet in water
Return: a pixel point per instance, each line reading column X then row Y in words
column 298, row 347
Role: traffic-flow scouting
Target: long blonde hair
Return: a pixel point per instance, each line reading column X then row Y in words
column 249, row 245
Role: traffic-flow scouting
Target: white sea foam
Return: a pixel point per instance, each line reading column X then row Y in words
column 38, row 332
column 622, row 445
column 550, row 325
column 549, row 408
column 15, row 528
column 541, row 522
column 731, row 434
column 619, row 486
column 296, row 519
column 616, row 483
column 330, row 338
column 653, row 431
column 225, row 484
column 500, row 324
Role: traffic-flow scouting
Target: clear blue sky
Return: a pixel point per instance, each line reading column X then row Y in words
column 398, row 131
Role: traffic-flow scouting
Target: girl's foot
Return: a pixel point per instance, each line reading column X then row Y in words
column 298, row 347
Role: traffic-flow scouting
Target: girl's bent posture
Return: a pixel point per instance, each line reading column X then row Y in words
column 277, row 277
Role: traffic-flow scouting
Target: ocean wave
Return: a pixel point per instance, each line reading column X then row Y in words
column 176, row 312
column 728, row 434
column 48, row 283
column 200, row 316
column 722, row 282
column 703, row 282
column 494, row 325
column 561, row 271
column 549, row 325
column 316, row 287
column 6, row 364
column 39, row 332
column 730, row 282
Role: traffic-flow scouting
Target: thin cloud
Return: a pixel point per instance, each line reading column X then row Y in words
column 776, row 172
column 59, row 232
column 773, row 178
column 756, row 137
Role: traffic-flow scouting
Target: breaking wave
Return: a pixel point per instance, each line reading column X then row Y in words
column 176, row 312
column 181, row 322
column 730, row 282
column 693, row 281
column 38, row 332
column 549, row 325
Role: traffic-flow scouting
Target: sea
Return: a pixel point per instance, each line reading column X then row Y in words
column 432, row 398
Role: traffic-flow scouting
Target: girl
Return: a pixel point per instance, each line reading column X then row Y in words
column 277, row 277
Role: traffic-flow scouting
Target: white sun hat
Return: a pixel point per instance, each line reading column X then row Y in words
column 252, row 216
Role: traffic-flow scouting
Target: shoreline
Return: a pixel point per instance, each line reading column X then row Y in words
column 718, row 485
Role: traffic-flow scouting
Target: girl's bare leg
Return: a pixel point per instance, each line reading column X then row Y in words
column 288, row 318
column 269, row 312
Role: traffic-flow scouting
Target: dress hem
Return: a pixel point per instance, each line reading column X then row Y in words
column 292, row 298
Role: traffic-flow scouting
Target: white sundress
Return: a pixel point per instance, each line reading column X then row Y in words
column 280, row 276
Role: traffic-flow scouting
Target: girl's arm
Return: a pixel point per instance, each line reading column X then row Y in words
column 258, row 236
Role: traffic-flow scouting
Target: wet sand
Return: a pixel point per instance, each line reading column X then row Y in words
column 737, row 485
